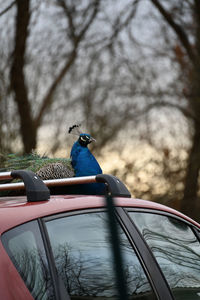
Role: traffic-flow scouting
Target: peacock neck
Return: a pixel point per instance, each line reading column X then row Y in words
column 82, row 144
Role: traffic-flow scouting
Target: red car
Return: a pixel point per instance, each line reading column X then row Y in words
column 71, row 247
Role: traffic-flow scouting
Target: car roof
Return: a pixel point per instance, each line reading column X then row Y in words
column 16, row 210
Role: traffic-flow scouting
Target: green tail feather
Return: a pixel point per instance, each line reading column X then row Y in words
column 43, row 166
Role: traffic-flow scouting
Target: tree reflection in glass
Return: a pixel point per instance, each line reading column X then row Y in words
column 25, row 248
column 176, row 249
column 82, row 251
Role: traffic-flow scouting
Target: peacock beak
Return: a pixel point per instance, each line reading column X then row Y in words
column 92, row 140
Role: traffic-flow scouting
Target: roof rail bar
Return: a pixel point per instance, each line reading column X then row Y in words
column 36, row 190
column 114, row 186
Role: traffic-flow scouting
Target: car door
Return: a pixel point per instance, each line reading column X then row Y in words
column 81, row 250
column 175, row 245
column 69, row 256
column 25, row 247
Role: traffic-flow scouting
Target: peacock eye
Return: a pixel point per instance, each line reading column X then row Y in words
column 82, row 139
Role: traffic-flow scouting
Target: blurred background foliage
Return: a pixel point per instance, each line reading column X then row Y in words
column 129, row 71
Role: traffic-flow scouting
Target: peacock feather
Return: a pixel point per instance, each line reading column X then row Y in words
column 43, row 166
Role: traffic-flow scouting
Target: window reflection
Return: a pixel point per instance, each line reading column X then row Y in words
column 176, row 249
column 81, row 248
column 25, row 248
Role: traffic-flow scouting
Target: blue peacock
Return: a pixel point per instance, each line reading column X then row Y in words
column 81, row 163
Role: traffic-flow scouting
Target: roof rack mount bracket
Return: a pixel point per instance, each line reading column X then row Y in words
column 36, row 190
column 115, row 187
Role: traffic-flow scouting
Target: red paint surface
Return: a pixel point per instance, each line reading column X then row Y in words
column 16, row 210
column 12, row 287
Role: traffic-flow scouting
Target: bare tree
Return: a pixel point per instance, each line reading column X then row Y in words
column 28, row 130
column 183, row 18
column 90, row 63
column 76, row 34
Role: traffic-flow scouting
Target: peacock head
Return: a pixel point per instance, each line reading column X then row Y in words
column 85, row 139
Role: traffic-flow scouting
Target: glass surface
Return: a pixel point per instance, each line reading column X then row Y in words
column 176, row 249
column 25, row 248
column 82, row 251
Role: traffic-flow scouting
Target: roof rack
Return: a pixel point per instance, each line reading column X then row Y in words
column 36, row 189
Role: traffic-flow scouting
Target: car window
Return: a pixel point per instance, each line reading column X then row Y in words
column 82, row 252
column 176, row 249
column 25, row 248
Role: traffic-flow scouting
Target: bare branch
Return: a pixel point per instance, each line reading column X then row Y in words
column 47, row 101
column 74, row 35
column 177, row 29
column 119, row 25
column 7, row 8
column 77, row 38
column 90, row 21
column 69, row 14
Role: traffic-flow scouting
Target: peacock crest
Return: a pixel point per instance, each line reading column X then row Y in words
column 75, row 129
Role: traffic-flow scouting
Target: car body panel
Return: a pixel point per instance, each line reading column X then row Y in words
column 27, row 211
column 16, row 210
column 11, row 284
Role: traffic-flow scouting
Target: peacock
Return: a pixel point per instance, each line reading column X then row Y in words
column 80, row 163
column 84, row 162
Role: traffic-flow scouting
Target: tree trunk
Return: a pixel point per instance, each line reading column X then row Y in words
column 190, row 203
column 27, row 124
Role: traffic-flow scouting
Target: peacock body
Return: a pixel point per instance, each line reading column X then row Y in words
column 84, row 162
